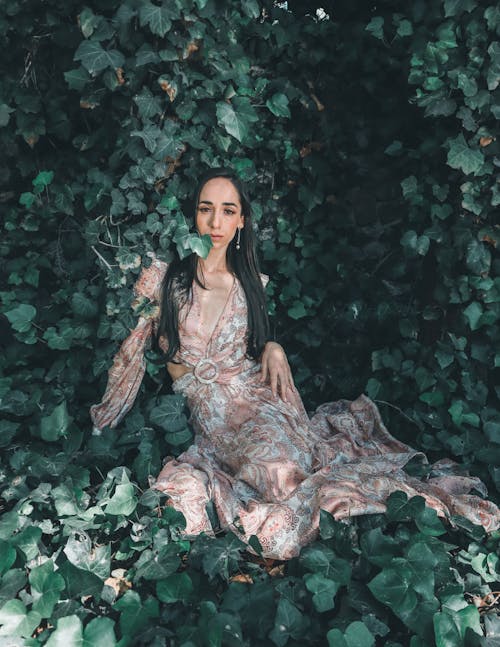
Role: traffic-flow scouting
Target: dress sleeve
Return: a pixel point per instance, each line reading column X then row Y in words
column 126, row 373
column 265, row 279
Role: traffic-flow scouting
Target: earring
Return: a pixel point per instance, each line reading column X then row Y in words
column 238, row 238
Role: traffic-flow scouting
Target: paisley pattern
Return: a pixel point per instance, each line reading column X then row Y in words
column 267, row 467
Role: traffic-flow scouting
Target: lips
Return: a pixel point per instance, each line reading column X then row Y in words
column 216, row 236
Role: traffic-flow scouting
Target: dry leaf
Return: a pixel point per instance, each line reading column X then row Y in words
column 118, row 582
column 242, row 577
column 318, row 103
column 490, row 240
column 119, row 75
column 485, row 141
column 168, row 88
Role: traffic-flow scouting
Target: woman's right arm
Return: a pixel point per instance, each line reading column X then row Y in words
column 126, row 373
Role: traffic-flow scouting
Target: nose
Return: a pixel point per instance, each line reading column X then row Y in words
column 215, row 219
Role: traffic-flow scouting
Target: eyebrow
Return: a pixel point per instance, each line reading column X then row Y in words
column 227, row 204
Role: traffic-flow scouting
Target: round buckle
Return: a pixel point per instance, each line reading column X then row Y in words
column 199, row 368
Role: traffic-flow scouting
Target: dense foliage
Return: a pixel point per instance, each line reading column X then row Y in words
column 369, row 139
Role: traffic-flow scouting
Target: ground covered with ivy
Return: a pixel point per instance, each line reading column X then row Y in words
column 368, row 136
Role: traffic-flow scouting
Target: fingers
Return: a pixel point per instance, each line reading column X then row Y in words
column 264, row 369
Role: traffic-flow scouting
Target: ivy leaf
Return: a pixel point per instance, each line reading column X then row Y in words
column 376, row 27
column 158, row 18
column 169, row 413
column 288, row 623
column 55, row 425
column 461, row 156
column 178, row 587
column 77, row 79
column 46, row 586
column 392, row 587
column 83, row 555
column 473, row 314
column 68, row 632
column 450, row 626
column 123, row 500
column 21, row 317
column 358, row 635
column 95, row 59
column 324, row 591
column 7, row 556
column 134, row 613
column 5, row 112
column 149, row 105
column 99, row 633
column 278, row 105
column 321, row 559
column 16, row 621
column 297, row 311
column 230, row 120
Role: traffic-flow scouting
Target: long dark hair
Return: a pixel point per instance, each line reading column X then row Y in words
column 181, row 274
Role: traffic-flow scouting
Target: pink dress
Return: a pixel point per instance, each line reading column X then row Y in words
column 267, row 467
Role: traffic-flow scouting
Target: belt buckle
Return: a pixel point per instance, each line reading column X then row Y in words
column 206, row 362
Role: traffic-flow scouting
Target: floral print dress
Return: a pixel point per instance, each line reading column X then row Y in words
column 266, row 466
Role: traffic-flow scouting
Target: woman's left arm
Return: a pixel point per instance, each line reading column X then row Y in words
column 275, row 368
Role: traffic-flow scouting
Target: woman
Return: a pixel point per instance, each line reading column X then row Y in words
column 257, row 456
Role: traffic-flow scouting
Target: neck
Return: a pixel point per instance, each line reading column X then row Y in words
column 214, row 262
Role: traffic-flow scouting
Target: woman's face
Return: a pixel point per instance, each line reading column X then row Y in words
column 218, row 212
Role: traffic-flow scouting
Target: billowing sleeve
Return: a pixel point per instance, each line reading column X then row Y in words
column 126, row 373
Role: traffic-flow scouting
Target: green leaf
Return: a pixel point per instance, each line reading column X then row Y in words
column 378, row 548
column 393, row 587
column 321, row 559
column 68, row 633
column 376, row 27
column 461, row 156
column 478, row 257
column 323, row 589
column 231, row 121
column 55, row 425
column 42, row 180
column 158, row 18
column 45, row 588
column 178, row 587
column 95, row 59
column 16, row 621
column 123, row 500
column 169, row 413
column 99, row 633
column 77, row 79
column 278, row 105
column 473, row 314
column 21, row 317
column 149, row 105
column 358, row 635
column 7, row 556
column 5, row 112
column 83, row 555
column 297, row 311
column 450, row 626
column 134, row 613
column 289, row 623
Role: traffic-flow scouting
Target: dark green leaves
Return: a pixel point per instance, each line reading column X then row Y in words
column 462, row 156
column 95, row 58
column 82, row 554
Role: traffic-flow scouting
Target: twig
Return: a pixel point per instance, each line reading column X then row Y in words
column 102, row 259
column 389, row 404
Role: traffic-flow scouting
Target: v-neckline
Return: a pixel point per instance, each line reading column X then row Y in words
column 196, row 287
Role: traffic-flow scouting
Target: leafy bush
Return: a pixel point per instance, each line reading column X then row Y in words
column 369, row 139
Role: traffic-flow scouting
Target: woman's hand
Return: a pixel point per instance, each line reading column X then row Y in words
column 276, row 369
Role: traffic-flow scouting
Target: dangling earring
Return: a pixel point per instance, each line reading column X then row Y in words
column 238, row 238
